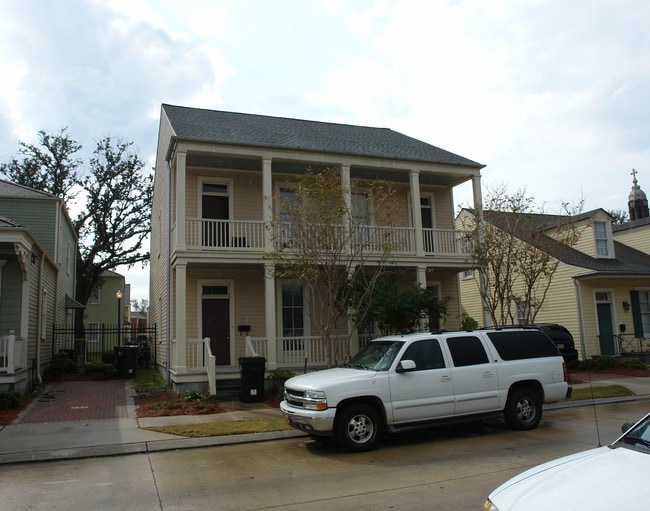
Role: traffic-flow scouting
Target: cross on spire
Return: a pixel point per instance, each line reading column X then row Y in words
column 633, row 174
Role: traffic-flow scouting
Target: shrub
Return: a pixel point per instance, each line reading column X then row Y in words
column 468, row 322
column 634, row 363
column 62, row 364
column 277, row 378
column 108, row 370
column 9, row 400
column 606, row 362
column 194, row 395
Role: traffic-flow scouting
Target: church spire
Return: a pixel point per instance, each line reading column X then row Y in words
column 637, row 202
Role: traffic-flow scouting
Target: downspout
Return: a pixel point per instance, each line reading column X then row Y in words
column 169, row 276
column 583, row 343
column 39, row 320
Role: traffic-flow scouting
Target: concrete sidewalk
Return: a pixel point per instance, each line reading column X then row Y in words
column 74, row 426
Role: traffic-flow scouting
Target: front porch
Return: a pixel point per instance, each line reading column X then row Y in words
column 13, row 362
column 296, row 354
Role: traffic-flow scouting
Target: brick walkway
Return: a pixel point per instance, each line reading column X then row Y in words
column 78, row 401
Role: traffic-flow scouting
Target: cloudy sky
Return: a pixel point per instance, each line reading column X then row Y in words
column 552, row 96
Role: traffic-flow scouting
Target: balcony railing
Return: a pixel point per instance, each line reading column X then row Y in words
column 206, row 233
column 248, row 235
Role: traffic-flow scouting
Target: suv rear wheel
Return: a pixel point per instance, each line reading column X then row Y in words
column 358, row 428
column 523, row 409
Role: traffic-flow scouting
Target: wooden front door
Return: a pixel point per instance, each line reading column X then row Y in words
column 216, row 326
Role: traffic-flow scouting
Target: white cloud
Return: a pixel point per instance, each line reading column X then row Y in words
column 551, row 95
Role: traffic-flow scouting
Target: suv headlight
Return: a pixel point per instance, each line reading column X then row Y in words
column 315, row 400
column 488, row 506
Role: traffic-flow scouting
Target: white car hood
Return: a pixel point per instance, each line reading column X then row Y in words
column 598, row 479
column 327, row 377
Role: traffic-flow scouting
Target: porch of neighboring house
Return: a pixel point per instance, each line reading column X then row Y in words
column 13, row 362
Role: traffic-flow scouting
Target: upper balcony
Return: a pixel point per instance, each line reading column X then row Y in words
column 248, row 236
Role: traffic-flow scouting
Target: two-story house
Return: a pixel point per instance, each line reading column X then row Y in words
column 600, row 290
column 38, row 256
column 108, row 305
column 218, row 179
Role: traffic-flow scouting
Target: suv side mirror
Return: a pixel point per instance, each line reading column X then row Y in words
column 405, row 366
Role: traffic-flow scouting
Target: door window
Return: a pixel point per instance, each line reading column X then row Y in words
column 467, row 351
column 426, row 355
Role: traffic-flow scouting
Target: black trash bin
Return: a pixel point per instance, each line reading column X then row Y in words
column 125, row 361
column 252, row 379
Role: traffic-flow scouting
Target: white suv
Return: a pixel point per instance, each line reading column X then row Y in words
column 413, row 381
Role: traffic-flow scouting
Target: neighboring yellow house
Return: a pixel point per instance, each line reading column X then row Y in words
column 212, row 293
column 601, row 290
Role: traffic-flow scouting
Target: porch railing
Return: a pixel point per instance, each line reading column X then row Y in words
column 201, row 360
column 247, row 235
column 301, row 351
column 12, row 353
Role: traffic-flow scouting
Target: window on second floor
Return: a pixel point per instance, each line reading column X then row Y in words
column 94, row 297
column 602, row 239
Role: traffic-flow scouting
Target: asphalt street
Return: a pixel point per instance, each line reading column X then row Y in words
column 442, row 469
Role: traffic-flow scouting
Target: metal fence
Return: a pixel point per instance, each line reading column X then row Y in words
column 99, row 342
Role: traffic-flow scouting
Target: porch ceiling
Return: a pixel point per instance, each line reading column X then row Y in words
column 437, row 178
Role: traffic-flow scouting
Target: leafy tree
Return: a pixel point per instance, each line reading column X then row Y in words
column 52, row 167
column 114, row 221
column 619, row 216
column 401, row 310
column 323, row 243
column 140, row 305
column 515, row 248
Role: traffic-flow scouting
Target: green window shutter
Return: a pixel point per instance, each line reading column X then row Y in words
column 636, row 314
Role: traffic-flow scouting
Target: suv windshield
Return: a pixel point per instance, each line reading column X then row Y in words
column 376, row 356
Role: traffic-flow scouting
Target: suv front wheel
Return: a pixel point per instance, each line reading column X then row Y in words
column 358, row 428
column 523, row 409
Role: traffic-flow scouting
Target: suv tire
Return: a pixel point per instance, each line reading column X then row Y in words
column 358, row 428
column 523, row 409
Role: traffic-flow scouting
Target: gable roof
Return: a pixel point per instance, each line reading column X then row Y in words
column 9, row 189
column 628, row 261
column 213, row 126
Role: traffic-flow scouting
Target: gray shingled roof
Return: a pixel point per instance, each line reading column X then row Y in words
column 9, row 189
column 194, row 124
column 628, row 261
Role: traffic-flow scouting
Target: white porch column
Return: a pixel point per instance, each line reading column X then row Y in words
column 476, row 190
column 414, row 180
column 180, row 359
column 422, row 276
column 269, row 314
column 181, row 176
column 267, row 198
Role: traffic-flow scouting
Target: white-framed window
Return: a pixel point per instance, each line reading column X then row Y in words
column 94, row 297
column 293, row 310
column 468, row 274
column 44, row 315
column 69, row 256
column 522, row 310
column 603, row 239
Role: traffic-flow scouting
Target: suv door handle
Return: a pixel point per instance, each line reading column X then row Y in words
column 488, row 374
column 445, row 378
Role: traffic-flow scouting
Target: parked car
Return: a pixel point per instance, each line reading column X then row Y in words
column 403, row 382
column 562, row 339
column 612, row 477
